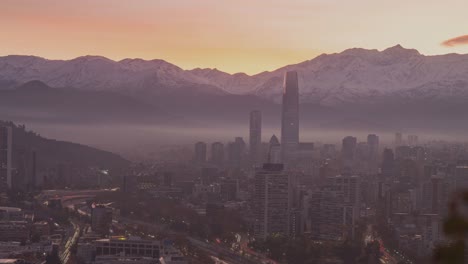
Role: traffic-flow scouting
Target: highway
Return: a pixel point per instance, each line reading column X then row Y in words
column 66, row 252
column 220, row 253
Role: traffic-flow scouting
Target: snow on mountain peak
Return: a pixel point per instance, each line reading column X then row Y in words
column 353, row 75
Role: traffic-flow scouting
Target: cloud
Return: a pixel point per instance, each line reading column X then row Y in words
column 461, row 40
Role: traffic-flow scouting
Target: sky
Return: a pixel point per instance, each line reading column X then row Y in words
column 231, row 35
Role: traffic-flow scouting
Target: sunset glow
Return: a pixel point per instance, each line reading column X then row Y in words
column 234, row 36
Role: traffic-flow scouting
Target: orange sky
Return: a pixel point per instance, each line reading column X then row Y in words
column 242, row 35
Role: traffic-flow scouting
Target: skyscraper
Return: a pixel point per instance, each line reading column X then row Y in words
column 236, row 151
column 274, row 151
column 255, row 137
column 271, row 201
column 290, row 115
column 217, row 153
column 348, row 151
column 388, row 163
column 6, row 148
column 200, row 152
column 373, row 143
column 398, row 139
column 412, row 140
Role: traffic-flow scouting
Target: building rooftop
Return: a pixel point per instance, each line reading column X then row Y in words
column 10, row 209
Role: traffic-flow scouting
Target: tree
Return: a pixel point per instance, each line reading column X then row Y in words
column 53, row 257
column 456, row 228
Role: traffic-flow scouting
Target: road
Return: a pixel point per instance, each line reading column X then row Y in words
column 66, row 251
column 388, row 256
column 219, row 252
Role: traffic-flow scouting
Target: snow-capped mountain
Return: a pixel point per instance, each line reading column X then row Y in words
column 352, row 76
column 359, row 75
column 98, row 73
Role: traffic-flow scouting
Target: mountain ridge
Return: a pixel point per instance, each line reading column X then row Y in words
column 327, row 79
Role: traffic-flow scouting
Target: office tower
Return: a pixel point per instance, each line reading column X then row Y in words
column 240, row 141
column 200, row 152
column 348, row 151
column 373, row 143
column 327, row 217
column 398, row 139
column 217, row 153
column 101, row 219
column 6, row 149
column 361, row 163
column 436, row 196
column 295, row 223
column 271, row 201
column 255, row 137
column 236, row 151
column 388, row 163
column 290, row 115
column 348, row 186
column 412, row 140
column 229, row 188
column 274, row 151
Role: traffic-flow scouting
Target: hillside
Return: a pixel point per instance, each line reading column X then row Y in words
column 36, row 101
column 51, row 152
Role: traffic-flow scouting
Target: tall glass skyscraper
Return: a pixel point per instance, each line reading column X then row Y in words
column 290, row 115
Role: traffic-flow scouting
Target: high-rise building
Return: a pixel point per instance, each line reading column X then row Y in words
column 388, row 163
column 200, row 152
column 290, row 115
column 412, row 140
column 398, row 139
column 373, row 142
column 101, row 219
column 217, row 153
column 274, row 151
column 349, row 186
column 236, row 151
column 271, row 201
column 6, row 149
column 255, row 137
column 348, row 151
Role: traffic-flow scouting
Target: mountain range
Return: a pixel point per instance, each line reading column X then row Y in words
column 393, row 88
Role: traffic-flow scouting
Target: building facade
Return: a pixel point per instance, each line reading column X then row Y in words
column 290, row 115
column 271, row 201
column 6, row 150
column 255, row 137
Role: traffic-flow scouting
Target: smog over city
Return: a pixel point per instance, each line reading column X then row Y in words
column 233, row 132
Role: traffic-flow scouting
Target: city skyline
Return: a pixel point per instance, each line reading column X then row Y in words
column 208, row 34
